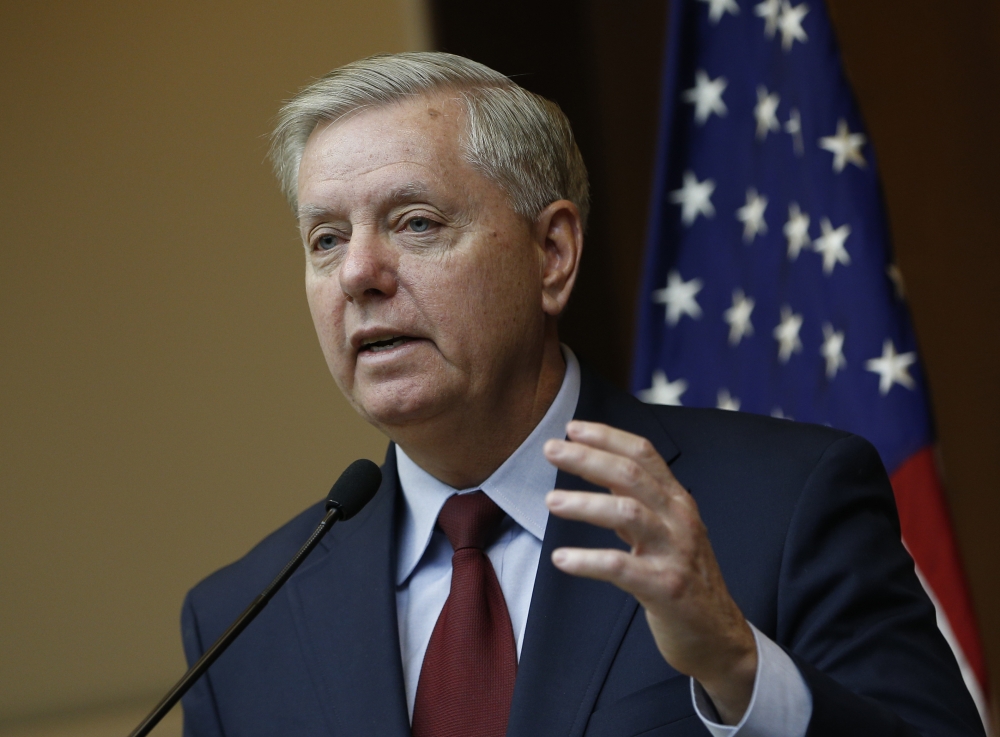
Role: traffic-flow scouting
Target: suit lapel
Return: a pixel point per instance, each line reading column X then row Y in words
column 344, row 607
column 575, row 625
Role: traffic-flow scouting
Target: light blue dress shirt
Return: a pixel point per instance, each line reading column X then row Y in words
column 781, row 703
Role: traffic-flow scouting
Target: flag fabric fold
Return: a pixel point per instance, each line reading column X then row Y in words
column 769, row 284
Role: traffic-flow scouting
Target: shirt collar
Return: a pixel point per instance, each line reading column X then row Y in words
column 518, row 487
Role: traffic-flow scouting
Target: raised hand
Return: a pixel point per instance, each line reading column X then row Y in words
column 671, row 568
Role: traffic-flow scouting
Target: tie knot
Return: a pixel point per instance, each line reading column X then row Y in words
column 470, row 520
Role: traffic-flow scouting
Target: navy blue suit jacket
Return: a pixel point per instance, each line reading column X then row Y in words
column 804, row 527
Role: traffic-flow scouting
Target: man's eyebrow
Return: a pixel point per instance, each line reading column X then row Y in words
column 391, row 197
column 405, row 193
column 313, row 212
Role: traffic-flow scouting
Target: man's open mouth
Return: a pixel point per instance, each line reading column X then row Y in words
column 385, row 344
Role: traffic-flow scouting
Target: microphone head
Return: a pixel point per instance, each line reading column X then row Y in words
column 355, row 488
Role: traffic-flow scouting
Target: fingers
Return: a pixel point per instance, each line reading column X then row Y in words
column 631, row 574
column 621, row 475
column 618, row 442
column 625, row 463
column 634, row 522
column 604, row 565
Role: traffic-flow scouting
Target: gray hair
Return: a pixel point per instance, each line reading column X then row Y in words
column 517, row 139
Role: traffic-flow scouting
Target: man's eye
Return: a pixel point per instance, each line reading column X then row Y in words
column 326, row 242
column 419, row 225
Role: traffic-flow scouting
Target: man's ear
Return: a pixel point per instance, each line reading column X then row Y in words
column 560, row 233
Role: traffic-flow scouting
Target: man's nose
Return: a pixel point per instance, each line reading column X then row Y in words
column 368, row 270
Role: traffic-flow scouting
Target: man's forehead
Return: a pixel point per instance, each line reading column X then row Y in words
column 404, row 150
column 412, row 124
column 424, row 131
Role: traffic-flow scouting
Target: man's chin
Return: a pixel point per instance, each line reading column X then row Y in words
column 398, row 407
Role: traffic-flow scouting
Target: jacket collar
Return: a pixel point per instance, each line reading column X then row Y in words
column 344, row 608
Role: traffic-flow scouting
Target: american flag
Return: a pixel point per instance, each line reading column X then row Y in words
column 769, row 284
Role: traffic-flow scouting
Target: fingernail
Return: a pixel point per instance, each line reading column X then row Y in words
column 558, row 556
column 554, row 499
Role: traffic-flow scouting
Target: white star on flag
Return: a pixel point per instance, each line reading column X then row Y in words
column 787, row 334
column 892, row 368
column 723, row 400
column 845, row 147
column 769, row 11
column 738, row 317
column 796, row 231
column 679, row 297
column 664, row 391
column 778, row 414
column 790, row 24
column 832, row 350
column 717, row 8
column 766, row 112
column 831, row 245
column 793, row 127
column 752, row 216
column 694, row 197
column 706, row 96
column 896, row 277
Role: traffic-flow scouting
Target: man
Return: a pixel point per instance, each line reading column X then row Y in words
column 442, row 211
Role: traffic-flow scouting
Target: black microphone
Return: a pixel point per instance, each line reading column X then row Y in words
column 352, row 491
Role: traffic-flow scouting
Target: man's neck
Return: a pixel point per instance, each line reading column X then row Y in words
column 465, row 449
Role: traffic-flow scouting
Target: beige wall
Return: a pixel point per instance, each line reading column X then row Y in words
column 164, row 403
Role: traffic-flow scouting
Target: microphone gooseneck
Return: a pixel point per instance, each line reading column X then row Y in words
column 356, row 486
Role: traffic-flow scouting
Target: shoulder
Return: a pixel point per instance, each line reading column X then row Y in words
column 744, row 464
column 698, row 430
column 697, row 433
column 227, row 591
column 219, row 598
column 744, row 467
column 738, row 466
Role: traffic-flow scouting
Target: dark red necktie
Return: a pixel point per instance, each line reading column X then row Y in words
column 467, row 678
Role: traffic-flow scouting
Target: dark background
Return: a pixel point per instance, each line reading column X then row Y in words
column 926, row 75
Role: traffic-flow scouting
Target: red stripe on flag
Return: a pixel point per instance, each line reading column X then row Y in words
column 928, row 534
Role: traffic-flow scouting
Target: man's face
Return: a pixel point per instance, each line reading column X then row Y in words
column 424, row 285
